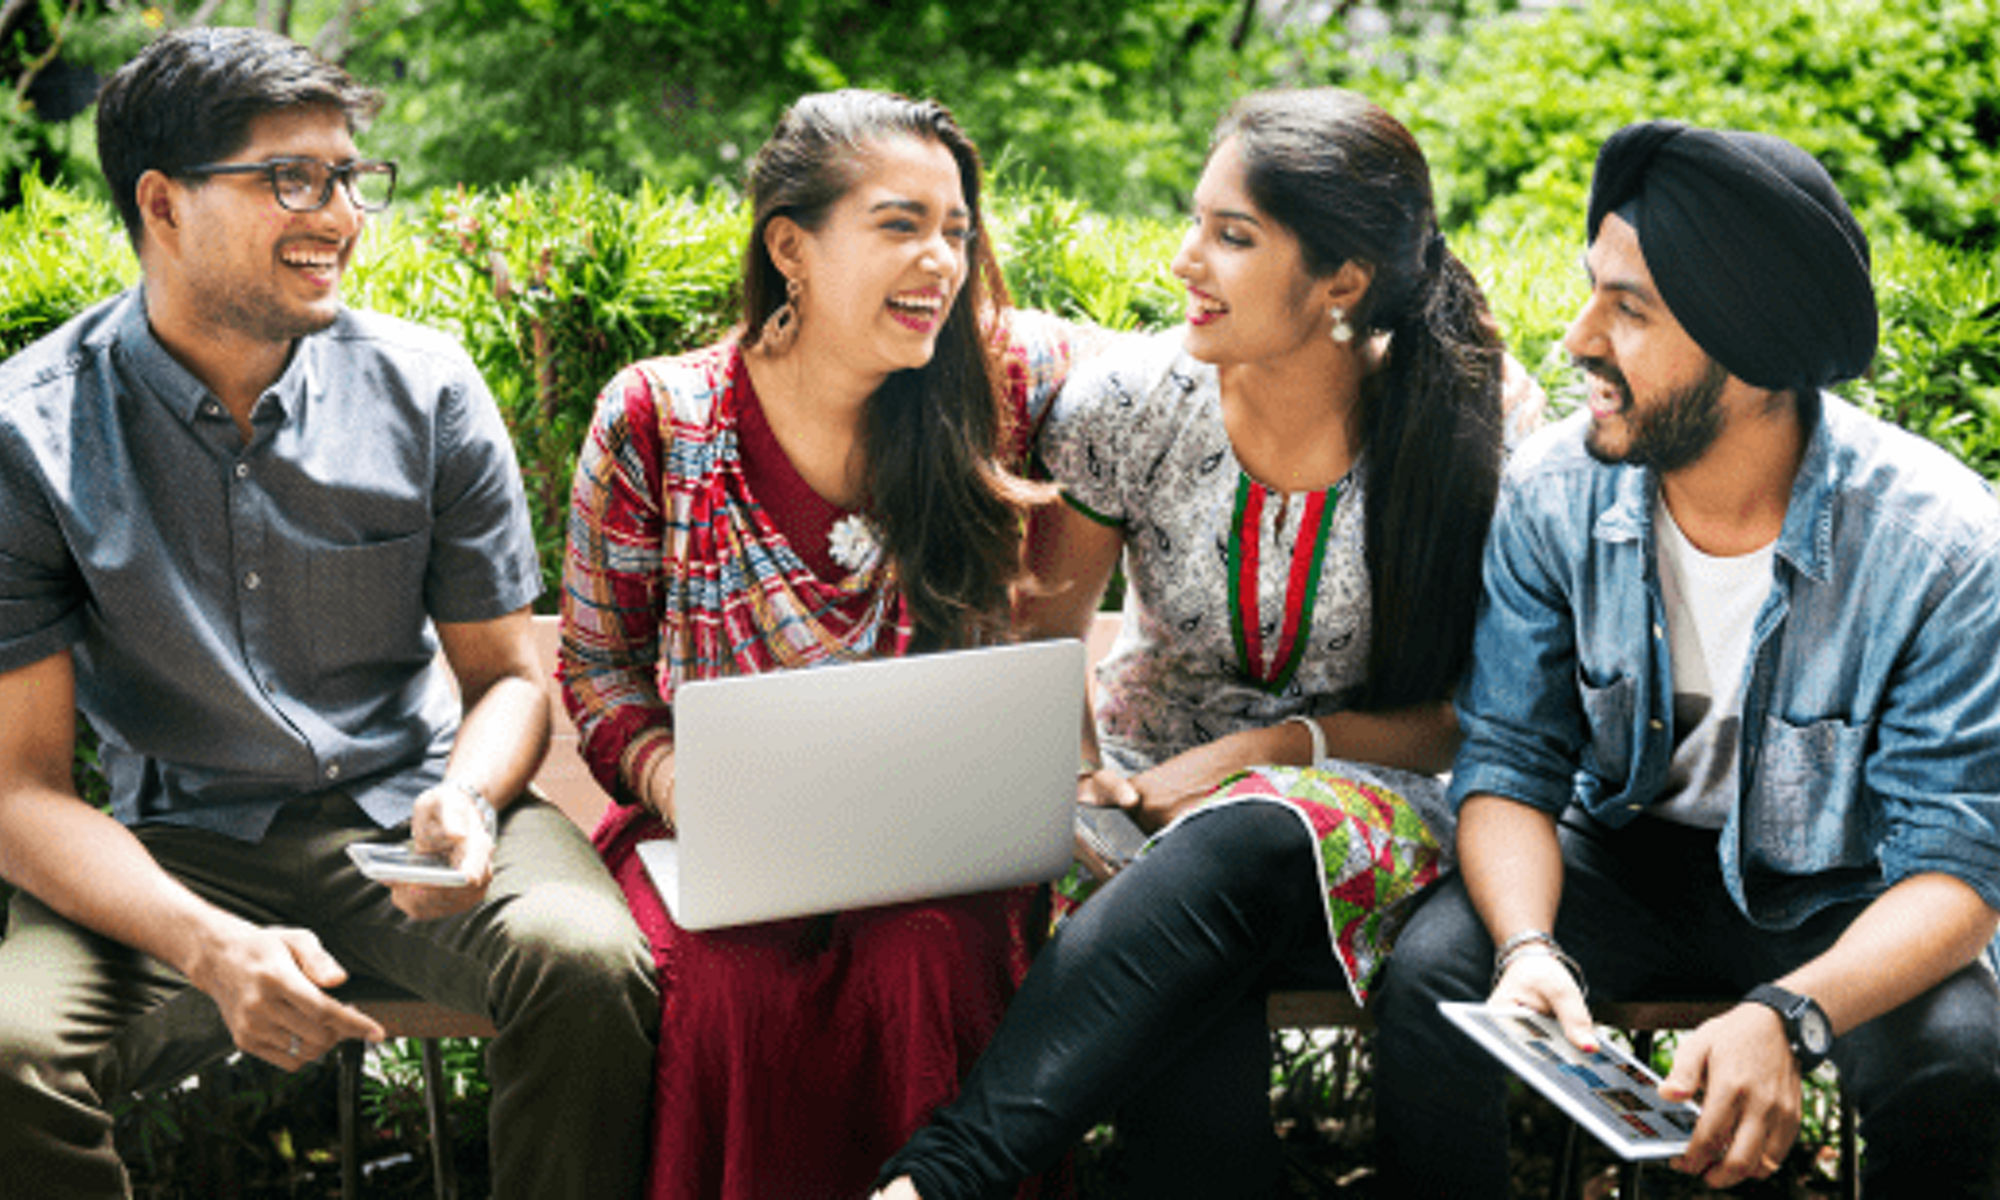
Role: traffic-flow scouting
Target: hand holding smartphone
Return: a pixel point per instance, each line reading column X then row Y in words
column 399, row 862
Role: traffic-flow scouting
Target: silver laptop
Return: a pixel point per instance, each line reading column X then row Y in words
column 810, row 791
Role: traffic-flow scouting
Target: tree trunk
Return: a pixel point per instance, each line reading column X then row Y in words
column 1245, row 19
column 336, row 37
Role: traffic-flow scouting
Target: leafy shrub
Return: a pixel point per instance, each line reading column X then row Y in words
column 1938, row 369
column 1900, row 99
column 395, row 1104
column 681, row 92
column 64, row 253
column 553, row 287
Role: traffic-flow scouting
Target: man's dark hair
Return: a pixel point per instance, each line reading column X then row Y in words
column 189, row 99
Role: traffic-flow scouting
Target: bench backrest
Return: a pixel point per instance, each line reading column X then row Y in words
column 563, row 779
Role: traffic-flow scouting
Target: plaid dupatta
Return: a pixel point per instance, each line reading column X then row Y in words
column 738, row 599
column 676, row 571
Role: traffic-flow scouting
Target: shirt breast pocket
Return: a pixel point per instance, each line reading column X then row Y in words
column 368, row 603
column 1608, row 717
column 1804, row 807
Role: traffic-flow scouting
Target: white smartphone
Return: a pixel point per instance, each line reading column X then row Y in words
column 399, row 862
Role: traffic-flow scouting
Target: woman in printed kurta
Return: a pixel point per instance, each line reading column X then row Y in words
column 1299, row 480
column 829, row 486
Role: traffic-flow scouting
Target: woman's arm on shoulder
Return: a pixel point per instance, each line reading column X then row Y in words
column 1071, row 556
column 1037, row 352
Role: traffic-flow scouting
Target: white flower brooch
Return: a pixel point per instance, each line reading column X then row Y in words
column 855, row 543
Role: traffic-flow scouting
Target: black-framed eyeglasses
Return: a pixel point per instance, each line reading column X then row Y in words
column 303, row 184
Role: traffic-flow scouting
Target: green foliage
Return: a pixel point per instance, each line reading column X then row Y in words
column 63, row 253
column 238, row 1128
column 1900, row 99
column 393, row 1104
column 1938, row 369
column 681, row 92
column 553, row 288
column 1060, row 256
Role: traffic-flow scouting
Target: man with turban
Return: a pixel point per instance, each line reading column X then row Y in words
column 1733, row 723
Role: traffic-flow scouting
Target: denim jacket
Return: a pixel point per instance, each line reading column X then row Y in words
column 1871, row 707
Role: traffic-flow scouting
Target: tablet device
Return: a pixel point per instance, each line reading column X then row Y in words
column 1606, row 1091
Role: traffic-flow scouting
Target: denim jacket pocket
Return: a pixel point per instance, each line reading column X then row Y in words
column 1608, row 717
column 1805, row 809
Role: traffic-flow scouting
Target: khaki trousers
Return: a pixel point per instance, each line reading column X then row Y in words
column 552, row 955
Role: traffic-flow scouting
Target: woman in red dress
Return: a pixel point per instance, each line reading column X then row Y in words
column 830, row 484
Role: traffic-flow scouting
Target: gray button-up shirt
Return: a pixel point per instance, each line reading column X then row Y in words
column 251, row 623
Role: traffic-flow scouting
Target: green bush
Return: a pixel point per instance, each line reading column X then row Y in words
column 489, row 92
column 553, row 287
column 1900, row 99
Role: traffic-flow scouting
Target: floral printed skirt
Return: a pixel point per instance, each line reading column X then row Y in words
column 1377, row 849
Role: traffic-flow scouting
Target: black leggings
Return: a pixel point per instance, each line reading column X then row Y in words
column 1148, row 1004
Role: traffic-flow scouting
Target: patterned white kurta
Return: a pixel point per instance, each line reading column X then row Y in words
column 1136, row 439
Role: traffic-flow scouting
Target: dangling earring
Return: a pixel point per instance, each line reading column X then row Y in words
column 1342, row 331
column 781, row 328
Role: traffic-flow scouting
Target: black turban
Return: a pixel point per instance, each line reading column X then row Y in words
column 1751, row 247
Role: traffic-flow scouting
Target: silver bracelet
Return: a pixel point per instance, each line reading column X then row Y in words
column 1521, row 939
column 487, row 816
column 1318, row 735
column 1535, row 941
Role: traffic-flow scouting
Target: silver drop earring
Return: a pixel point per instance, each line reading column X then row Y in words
column 1342, row 332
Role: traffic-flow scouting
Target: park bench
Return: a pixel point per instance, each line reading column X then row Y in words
column 565, row 782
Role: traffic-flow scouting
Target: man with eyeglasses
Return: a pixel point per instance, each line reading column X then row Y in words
column 236, row 521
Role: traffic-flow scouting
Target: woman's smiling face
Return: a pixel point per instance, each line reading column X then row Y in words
column 1249, row 294
column 884, row 268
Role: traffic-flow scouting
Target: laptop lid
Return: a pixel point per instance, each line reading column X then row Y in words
column 858, row 784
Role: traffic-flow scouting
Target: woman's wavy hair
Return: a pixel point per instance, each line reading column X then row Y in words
column 950, row 512
column 1350, row 181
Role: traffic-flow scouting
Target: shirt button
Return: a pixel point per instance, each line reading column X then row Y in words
column 253, row 581
column 1657, row 632
column 1656, row 724
column 333, row 770
column 242, row 470
column 212, row 409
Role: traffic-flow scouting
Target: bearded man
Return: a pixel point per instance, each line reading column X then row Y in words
column 1733, row 724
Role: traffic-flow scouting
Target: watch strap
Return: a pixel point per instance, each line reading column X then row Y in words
column 487, row 816
column 1792, row 1009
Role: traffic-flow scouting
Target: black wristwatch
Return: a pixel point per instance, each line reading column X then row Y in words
column 1806, row 1026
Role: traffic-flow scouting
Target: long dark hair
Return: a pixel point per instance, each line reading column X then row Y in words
column 1352, row 184
column 949, row 511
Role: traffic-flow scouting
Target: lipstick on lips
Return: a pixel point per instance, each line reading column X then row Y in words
column 918, row 311
column 1203, row 308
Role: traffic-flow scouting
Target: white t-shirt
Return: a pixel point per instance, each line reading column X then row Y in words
column 1712, row 606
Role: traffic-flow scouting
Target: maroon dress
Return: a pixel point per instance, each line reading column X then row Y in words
column 796, row 1056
